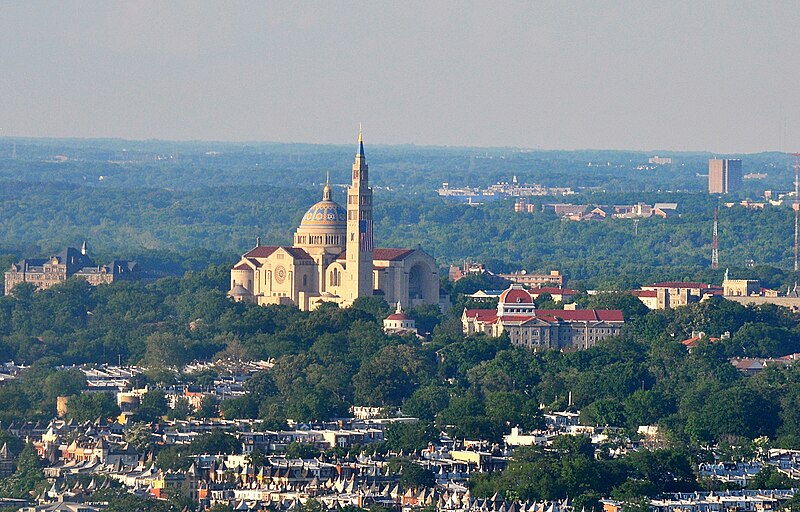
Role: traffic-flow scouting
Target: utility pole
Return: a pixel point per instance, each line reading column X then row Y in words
column 715, row 245
column 796, row 206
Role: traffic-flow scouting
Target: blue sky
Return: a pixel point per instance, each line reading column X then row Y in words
column 646, row 75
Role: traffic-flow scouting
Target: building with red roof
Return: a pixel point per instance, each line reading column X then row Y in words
column 399, row 323
column 333, row 259
column 516, row 314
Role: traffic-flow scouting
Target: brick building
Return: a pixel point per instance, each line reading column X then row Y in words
column 534, row 328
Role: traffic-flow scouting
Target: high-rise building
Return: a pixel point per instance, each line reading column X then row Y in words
column 724, row 175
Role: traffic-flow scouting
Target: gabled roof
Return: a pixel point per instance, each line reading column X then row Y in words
column 518, row 318
column 694, row 341
column 262, row 251
column 550, row 315
column 482, row 315
column 580, row 315
column 390, row 254
column 298, row 253
column 265, row 251
column 383, row 254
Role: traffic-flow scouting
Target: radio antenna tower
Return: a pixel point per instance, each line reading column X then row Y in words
column 796, row 205
column 714, row 245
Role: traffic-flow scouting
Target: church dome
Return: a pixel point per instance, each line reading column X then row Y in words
column 323, row 229
column 326, row 213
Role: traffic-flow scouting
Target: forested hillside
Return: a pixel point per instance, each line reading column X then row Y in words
column 179, row 206
column 476, row 387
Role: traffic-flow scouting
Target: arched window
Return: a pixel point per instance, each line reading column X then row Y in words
column 336, row 277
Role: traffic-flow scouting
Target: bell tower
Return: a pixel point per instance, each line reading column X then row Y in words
column 359, row 281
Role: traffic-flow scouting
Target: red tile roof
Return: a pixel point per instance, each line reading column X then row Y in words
column 265, row 251
column 482, row 315
column 580, row 315
column 298, row 253
column 262, row 251
column 383, row 254
column 391, row 254
column 644, row 293
column 692, row 342
column 516, row 296
column 242, row 266
column 551, row 315
column 397, row 316
column 518, row 318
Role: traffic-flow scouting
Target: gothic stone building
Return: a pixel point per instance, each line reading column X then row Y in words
column 44, row 273
column 333, row 259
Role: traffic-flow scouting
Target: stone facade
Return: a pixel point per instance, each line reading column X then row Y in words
column 516, row 314
column 333, row 259
column 71, row 262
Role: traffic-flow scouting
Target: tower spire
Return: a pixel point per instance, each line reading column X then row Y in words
column 359, row 250
column 326, row 192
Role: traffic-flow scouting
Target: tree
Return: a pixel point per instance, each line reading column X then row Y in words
column 208, row 407
column 215, row 442
column 409, row 437
column 154, row 405
column 312, row 505
column 632, row 308
column 644, row 407
column 426, row 317
column 256, row 458
column 90, row 406
column 426, row 402
column 166, row 350
column 240, row 407
column 182, row 409
column 301, row 451
column 414, row 476
column 770, row 478
column 605, row 411
column 511, row 409
column 28, row 478
column 174, row 458
column 64, row 383
column 391, row 376
column 465, row 417
column 140, row 437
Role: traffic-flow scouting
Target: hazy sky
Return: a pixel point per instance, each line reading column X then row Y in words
column 717, row 76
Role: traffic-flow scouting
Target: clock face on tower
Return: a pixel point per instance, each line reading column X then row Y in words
column 280, row 274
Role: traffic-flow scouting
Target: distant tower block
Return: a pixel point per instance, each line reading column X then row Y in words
column 724, row 176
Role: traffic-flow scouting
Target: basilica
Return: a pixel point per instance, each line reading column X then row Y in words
column 333, row 259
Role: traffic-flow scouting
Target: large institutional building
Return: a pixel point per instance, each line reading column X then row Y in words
column 333, row 259
column 44, row 273
column 724, row 176
column 534, row 328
